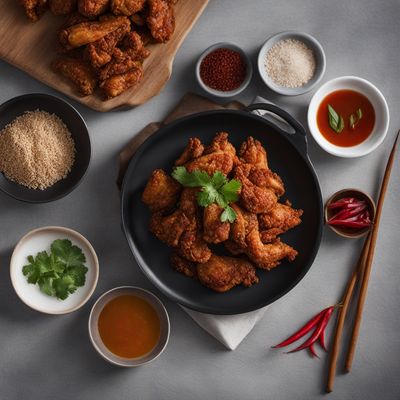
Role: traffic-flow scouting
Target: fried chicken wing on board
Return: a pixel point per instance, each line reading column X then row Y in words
column 93, row 8
column 117, row 84
column 161, row 192
column 133, row 46
column 214, row 230
column 62, row 7
column 254, row 198
column 161, row 20
column 193, row 149
column 34, row 9
column 223, row 273
column 100, row 52
column 267, row 256
column 278, row 220
column 120, row 64
column 78, row 71
column 127, row 7
column 89, row 32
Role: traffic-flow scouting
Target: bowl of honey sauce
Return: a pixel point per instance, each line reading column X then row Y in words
column 348, row 117
column 129, row 326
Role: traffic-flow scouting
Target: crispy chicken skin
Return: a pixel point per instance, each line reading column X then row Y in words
column 34, row 9
column 127, row 7
column 100, row 52
column 265, row 178
column 78, row 71
column 223, row 273
column 120, row 64
column 214, row 231
column 193, row 247
column 252, row 197
column 183, row 266
column 219, row 144
column 267, row 256
column 117, row 84
column 169, row 229
column 193, row 149
column 93, row 8
column 62, row 7
column 133, row 47
column 89, row 32
column 244, row 223
column 161, row 192
column 161, row 20
column 252, row 152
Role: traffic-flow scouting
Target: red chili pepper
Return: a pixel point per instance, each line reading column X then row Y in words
column 350, row 224
column 348, row 213
column 312, row 351
column 322, row 340
column 302, row 331
column 321, row 326
column 339, row 204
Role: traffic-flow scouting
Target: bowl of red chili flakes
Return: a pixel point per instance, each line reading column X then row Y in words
column 224, row 70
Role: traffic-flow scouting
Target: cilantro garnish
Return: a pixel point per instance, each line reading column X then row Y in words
column 59, row 273
column 214, row 189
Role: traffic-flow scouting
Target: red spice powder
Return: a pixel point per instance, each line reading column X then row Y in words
column 223, row 69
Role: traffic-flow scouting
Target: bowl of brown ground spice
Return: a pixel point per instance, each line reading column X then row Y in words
column 45, row 148
column 291, row 63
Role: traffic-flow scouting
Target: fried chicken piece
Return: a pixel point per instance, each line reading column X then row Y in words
column 183, row 266
column 234, row 248
column 223, row 273
column 192, row 247
column 252, row 152
column 267, row 256
column 133, row 46
column 193, row 149
column 127, row 7
column 161, row 20
column 161, row 192
column 265, row 178
column 220, row 143
column 74, row 19
column 120, row 64
column 117, row 84
column 101, row 52
column 34, row 9
column 244, row 223
column 170, row 228
column 282, row 216
column 214, row 230
column 78, row 71
column 93, row 8
column 255, row 199
column 62, row 7
column 89, row 32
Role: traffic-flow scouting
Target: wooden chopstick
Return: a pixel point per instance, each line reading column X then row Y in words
column 368, row 263
column 356, row 276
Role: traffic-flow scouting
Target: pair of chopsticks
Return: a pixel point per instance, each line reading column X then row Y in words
column 361, row 274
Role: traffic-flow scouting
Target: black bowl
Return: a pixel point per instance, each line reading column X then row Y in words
column 76, row 125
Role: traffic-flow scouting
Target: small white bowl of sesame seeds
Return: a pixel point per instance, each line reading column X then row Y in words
column 291, row 63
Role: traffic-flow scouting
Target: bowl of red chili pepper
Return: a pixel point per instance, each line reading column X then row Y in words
column 350, row 213
column 224, row 70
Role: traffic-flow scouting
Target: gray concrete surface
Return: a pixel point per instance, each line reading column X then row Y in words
column 50, row 357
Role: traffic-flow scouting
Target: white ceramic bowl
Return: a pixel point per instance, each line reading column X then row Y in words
column 381, row 116
column 94, row 330
column 311, row 43
column 39, row 240
column 219, row 93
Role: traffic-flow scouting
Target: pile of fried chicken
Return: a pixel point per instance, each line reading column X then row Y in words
column 103, row 41
column 178, row 220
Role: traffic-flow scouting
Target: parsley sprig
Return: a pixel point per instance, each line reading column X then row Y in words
column 59, row 273
column 214, row 189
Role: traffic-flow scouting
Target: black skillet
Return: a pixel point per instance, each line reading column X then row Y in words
column 287, row 155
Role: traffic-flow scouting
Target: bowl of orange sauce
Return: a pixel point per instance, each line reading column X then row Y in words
column 348, row 117
column 129, row 326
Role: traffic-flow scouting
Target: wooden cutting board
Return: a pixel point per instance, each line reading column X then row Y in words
column 30, row 46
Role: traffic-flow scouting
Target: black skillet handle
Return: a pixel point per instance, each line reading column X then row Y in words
column 299, row 137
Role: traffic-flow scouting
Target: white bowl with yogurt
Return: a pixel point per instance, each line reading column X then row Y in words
column 40, row 240
column 311, row 78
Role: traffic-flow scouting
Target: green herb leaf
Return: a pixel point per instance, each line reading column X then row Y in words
column 59, row 273
column 215, row 189
column 336, row 121
column 355, row 119
column 228, row 214
column 359, row 114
